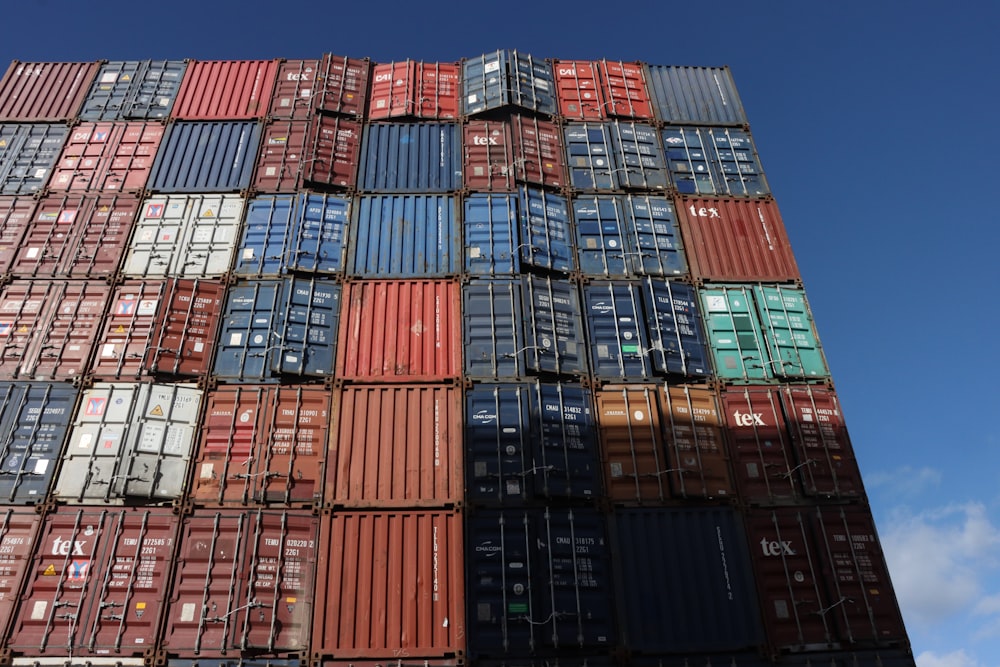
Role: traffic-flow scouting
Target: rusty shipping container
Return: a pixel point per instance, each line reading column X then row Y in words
column 697, row 453
column 226, row 90
column 334, row 151
column 294, row 90
column 636, row 469
column 262, row 445
column 95, row 584
column 538, row 151
column 18, row 531
column 284, row 148
column 107, row 157
column 390, row 583
column 415, row 89
column 342, row 85
column 15, row 216
column 488, row 156
column 44, row 91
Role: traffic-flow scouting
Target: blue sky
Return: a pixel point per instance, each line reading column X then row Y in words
column 875, row 125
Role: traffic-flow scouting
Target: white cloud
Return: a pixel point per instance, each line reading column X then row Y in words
column 954, row 659
column 905, row 481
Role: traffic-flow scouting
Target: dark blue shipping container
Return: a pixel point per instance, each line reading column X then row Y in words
column 134, row 90
column 411, row 157
column 490, row 226
column 493, row 336
column 198, row 156
column 246, row 340
column 639, row 160
column 527, row 443
column 308, row 321
column 546, row 233
column 28, row 152
column 616, row 326
column 739, row 659
column 601, row 236
column 714, row 161
column 266, row 245
column 888, row 657
column 321, row 233
column 695, row 95
column 676, row 336
column 503, row 78
column 404, row 236
column 539, row 582
column 553, row 323
column 620, row 236
column 655, row 247
column 590, row 156
column 684, row 581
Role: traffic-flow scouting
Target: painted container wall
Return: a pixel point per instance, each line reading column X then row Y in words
column 625, row 91
column 332, row 152
column 553, row 327
column 15, row 217
column 734, row 333
column 108, row 157
column 616, row 331
column 28, row 153
column 226, row 90
column 206, row 157
column 415, row 89
column 539, row 157
column 342, row 85
column 284, row 147
column 321, row 237
column 296, row 85
column 636, row 469
column 655, row 238
column 410, row 157
column 34, row 419
column 133, row 90
column 488, row 162
column 713, row 161
column 18, row 532
column 38, row 92
column 578, row 87
column 404, row 236
column 493, row 336
column 396, row 446
column 490, row 230
column 601, row 236
column 615, row 155
column 790, row 333
column 678, row 345
column 697, row 451
column 507, row 78
column 546, row 231
column 695, row 95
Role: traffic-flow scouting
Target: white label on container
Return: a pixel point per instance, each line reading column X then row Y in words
column 207, row 470
column 492, row 67
column 199, row 346
column 41, row 465
column 86, row 439
column 472, row 99
column 32, row 253
column 639, row 415
column 147, row 307
column 109, row 77
column 475, row 253
column 236, row 339
column 187, row 612
column 248, row 253
column 716, row 303
column 40, row 173
column 616, row 469
column 291, row 358
column 38, row 610
column 108, row 350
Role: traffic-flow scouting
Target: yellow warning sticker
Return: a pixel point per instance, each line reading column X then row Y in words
column 126, row 77
column 103, row 209
column 157, row 411
column 49, row 571
column 140, row 605
column 120, row 329
column 209, row 213
column 291, row 600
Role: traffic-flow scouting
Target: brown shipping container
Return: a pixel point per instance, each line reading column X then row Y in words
column 414, row 89
column 335, row 147
column 488, row 161
column 18, row 530
column 400, row 331
column 159, row 327
column 538, row 152
column 578, row 89
column 738, row 240
column 343, row 85
column 15, row 216
column 390, row 584
column 625, row 89
column 76, row 236
column 262, row 445
column 635, row 463
column 48, row 327
column 108, row 157
column 282, row 151
column 44, row 91
column 696, row 448
column 226, row 90
column 396, row 446
column 294, row 90
column 243, row 582
column 96, row 583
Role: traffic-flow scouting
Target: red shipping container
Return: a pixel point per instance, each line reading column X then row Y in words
column 400, row 331
column 44, row 91
column 77, row 236
column 624, row 89
column 740, row 240
column 635, row 464
column 263, row 445
column 696, row 448
column 243, row 582
column 226, row 90
column 48, row 327
column 538, row 152
column 415, row 89
column 294, row 90
column 95, row 585
column 15, row 216
column 334, row 150
column 343, row 85
column 396, row 446
column 488, row 160
column 579, row 90
column 109, row 157
column 390, row 584
column 159, row 327
column 283, row 150
column 18, row 530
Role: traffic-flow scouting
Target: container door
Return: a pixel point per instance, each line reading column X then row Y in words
column 553, row 326
column 739, row 169
column 654, row 240
column 249, row 331
column 564, row 462
column 186, row 327
column 491, row 234
column 639, row 161
column 791, row 337
column 734, row 334
column 580, row 93
column 538, row 151
column 636, row 467
column 332, row 152
column 308, row 323
column 76, row 311
column 212, row 228
column 232, row 433
column 265, row 249
column 489, row 160
column 591, row 157
column 531, row 83
column 152, row 94
column 616, row 323
column 494, row 340
column 110, row 92
column 294, row 90
column 16, row 213
column 18, row 532
column 484, row 80
column 697, row 452
column 546, row 234
column 342, row 85
column 392, row 90
column 28, row 154
column 125, row 345
column 284, row 148
column 437, row 90
column 689, row 163
column 624, row 88
column 499, row 458
column 320, row 233
column 601, row 236
column 677, row 343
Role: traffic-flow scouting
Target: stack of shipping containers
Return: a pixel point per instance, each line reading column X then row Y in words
column 504, row 361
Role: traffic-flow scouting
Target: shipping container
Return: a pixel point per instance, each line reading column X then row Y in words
column 404, row 236
column 159, row 328
column 539, row 582
column 396, row 446
column 295, row 89
column 134, row 90
column 488, row 158
column 321, row 233
column 695, row 95
column 720, row 659
column 590, row 156
column 602, row 236
column 677, row 343
column 95, row 586
column 789, row 331
column 558, row 661
column 184, row 236
column 284, row 149
column 342, row 85
column 18, row 531
column 130, row 442
column 684, row 581
column 76, row 236
column 616, row 331
column 28, row 152
column 16, row 214
column 390, row 583
column 697, row 452
column 206, row 157
column 553, row 326
column 107, row 157
column 507, row 78
column 527, row 443
column 654, row 239
column 713, row 161
column 898, row 657
column 44, row 91
column 243, row 584
column 262, row 445
column 624, row 88
column 226, row 90
column 48, row 327
column 34, row 419
column 492, row 317
column 414, row 89
column 615, row 155
column 636, row 469
column 234, row 661
column 333, row 153
column 546, row 231
column 581, row 96
column 400, row 331
column 538, row 151
column 410, row 157
column 734, row 333
column 490, row 231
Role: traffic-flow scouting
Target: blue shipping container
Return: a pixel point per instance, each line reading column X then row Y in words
column 547, row 237
column 714, row 161
column 411, row 157
column 503, row 78
column 619, row 345
column 200, row 156
column 493, row 338
column 308, row 319
column 695, row 95
column 601, row 233
column 320, row 239
column 639, row 161
column 490, row 228
column 554, row 338
column 589, row 156
column 654, row 247
column 676, row 338
column 28, row 152
column 134, row 90
column 404, row 236
column 266, row 245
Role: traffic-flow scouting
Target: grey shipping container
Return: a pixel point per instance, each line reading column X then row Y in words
column 546, row 232
column 198, row 156
column 134, row 90
column 404, row 236
column 695, row 95
column 410, row 157
column 28, row 153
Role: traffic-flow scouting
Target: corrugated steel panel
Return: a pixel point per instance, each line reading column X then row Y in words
column 697, row 452
column 16, row 214
column 18, row 530
column 390, row 583
column 714, row 161
column 616, row 327
column 695, row 95
column 581, row 96
column 506, row 77
column 546, row 231
column 400, row 331
column 737, row 240
column 489, row 156
column 96, row 583
column 342, row 85
column 48, row 327
column 28, row 152
column 34, row 418
column 655, row 245
column 44, row 91
column 266, row 248
column 791, row 336
column 134, row 90
column 530, row 442
column 129, row 442
column 638, row 159
column 601, row 236
column 539, row 582
column 493, row 338
column 677, row 343
column 538, row 151
column 417, row 89
column 159, row 327
column 184, row 236
column 404, row 236
column 243, row 584
column 76, row 236
column 226, row 89
column 262, row 445
column 333, row 152
column 111, row 157
column 206, row 157
column 491, row 233
column 590, row 156
column 396, row 446
column 321, row 239
column 553, row 324
column 295, row 89
column 248, row 335
column 684, row 580
column 411, row 157
column 734, row 333
column 624, row 88
column 636, row 469
column 283, row 149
